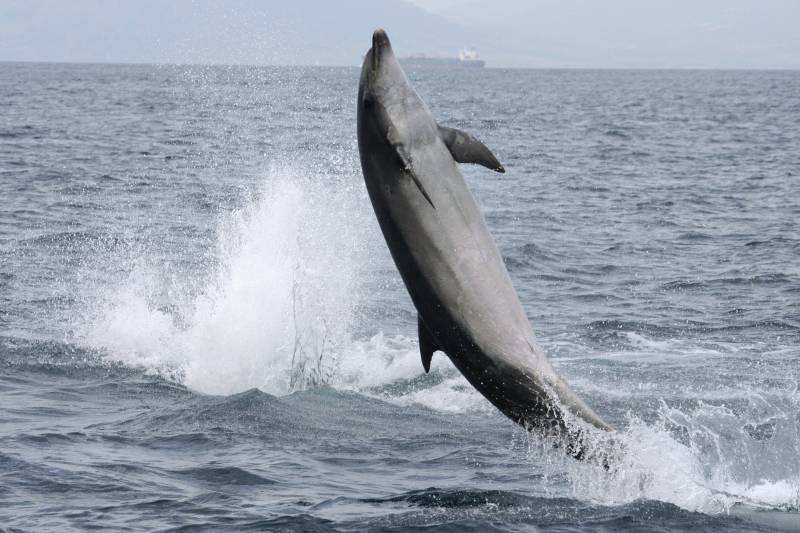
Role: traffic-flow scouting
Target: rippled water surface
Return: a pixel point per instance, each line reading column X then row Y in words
column 200, row 323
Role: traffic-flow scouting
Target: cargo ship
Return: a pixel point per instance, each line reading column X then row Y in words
column 467, row 58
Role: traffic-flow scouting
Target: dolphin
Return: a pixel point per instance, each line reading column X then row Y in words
column 466, row 304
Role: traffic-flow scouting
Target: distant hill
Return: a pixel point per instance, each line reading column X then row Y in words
column 632, row 33
column 208, row 31
column 533, row 33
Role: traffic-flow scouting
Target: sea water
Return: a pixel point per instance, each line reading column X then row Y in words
column 201, row 325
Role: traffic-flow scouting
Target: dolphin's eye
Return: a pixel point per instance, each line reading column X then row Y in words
column 369, row 101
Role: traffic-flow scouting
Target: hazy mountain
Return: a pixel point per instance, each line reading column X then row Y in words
column 209, row 31
column 632, row 33
column 539, row 33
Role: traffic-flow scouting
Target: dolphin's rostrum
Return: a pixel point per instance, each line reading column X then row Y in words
column 449, row 262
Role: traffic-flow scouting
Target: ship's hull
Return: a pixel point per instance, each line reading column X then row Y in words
column 440, row 62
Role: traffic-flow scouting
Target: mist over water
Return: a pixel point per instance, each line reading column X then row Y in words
column 202, row 324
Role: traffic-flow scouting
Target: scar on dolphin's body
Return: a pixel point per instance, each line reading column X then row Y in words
column 466, row 304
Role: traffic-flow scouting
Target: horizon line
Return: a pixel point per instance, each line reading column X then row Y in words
column 306, row 65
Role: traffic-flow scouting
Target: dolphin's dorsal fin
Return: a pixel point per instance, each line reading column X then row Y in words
column 467, row 149
column 427, row 345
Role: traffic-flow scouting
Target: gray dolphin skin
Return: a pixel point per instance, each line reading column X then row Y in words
column 447, row 258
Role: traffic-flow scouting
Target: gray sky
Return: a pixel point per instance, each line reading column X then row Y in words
column 523, row 33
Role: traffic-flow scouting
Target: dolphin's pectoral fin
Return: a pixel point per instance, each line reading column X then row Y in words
column 395, row 142
column 404, row 159
column 467, row 149
column 427, row 345
column 421, row 189
column 405, row 163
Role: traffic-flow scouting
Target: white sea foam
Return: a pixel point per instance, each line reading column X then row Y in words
column 648, row 462
column 367, row 365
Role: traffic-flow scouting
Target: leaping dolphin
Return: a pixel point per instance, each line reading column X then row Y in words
column 449, row 262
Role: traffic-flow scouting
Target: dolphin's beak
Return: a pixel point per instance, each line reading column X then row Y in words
column 380, row 46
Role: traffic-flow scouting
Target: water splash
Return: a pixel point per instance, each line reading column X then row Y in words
column 670, row 462
column 276, row 311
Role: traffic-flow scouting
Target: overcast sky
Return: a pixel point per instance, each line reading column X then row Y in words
column 519, row 33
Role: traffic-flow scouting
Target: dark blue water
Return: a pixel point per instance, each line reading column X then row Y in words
column 201, row 326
